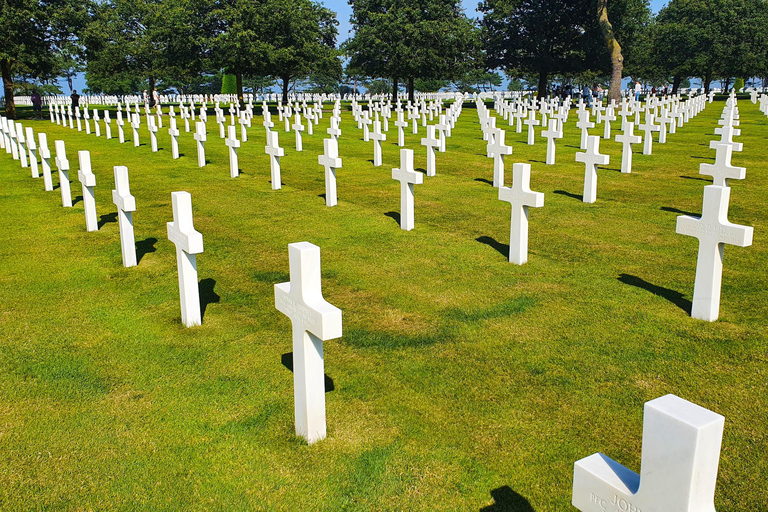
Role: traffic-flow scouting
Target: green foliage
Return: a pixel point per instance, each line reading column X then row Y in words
column 738, row 85
column 380, row 86
column 417, row 39
column 229, row 84
column 430, row 84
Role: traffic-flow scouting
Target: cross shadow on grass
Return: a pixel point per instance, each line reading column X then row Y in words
column 207, row 295
column 507, row 500
column 145, row 247
column 570, row 194
column 675, row 210
column 287, row 360
column 672, row 296
column 77, row 199
column 694, row 178
column 107, row 218
column 393, row 215
column 503, row 249
column 483, row 180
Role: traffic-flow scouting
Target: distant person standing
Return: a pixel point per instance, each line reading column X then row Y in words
column 599, row 91
column 75, row 99
column 586, row 93
column 145, row 97
column 156, row 96
column 37, row 104
column 638, row 91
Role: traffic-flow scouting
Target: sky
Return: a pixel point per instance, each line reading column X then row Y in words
column 343, row 12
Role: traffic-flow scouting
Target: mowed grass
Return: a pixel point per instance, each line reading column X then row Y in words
column 461, row 381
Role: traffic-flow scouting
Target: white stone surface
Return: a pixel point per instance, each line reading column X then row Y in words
column 499, row 149
column 313, row 321
column 173, row 131
column 62, row 164
column 88, row 182
column 521, row 197
column 531, row 122
column 330, row 161
column 722, row 170
column 45, row 161
column 298, row 128
column 188, row 243
column 627, row 139
column 32, row 149
column 233, row 143
column 407, row 177
column 274, row 151
column 135, row 124
column 201, row 137
column 591, row 159
column 432, row 144
column 713, row 231
column 678, row 470
column 126, row 205
column 551, row 134
column 378, row 137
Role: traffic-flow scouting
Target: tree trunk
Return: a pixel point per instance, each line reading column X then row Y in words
column 239, row 80
column 707, row 81
column 727, row 85
column 676, row 83
column 395, row 84
column 286, row 83
column 614, row 51
column 411, row 90
column 542, row 92
column 10, row 105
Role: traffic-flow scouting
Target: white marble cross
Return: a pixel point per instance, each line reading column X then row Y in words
column 531, row 122
column 401, row 125
column 378, row 138
column 233, row 143
column 244, row 123
column 407, row 177
column 552, row 134
column 200, row 136
column 126, row 205
column 135, row 123
column 88, row 182
column 274, row 151
column 444, row 128
column 499, row 150
column 713, row 231
column 521, row 198
column 298, row 128
column 120, row 131
column 173, row 131
column 62, row 164
column 721, row 170
column 727, row 133
column 12, row 137
column 627, row 139
column 77, row 117
column 649, row 127
column 96, row 126
column 152, row 127
column 45, row 161
column 609, row 116
column 107, row 125
column 331, row 161
column 334, row 130
column 678, row 469
column 22, row 142
column 87, row 117
column 188, row 243
column 313, row 320
column 268, row 124
column 584, row 124
column 32, row 148
column 591, row 159
column 432, row 143
column 309, row 116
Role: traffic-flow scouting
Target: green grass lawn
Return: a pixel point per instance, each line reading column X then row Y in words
column 461, row 382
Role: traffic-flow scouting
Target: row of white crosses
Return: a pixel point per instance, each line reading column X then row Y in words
column 712, row 229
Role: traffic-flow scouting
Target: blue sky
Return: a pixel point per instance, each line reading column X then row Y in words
column 343, row 11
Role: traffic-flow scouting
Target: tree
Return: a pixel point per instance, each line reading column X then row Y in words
column 147, row 39
column 32, row 35
column 542, row 37
column 300, row 40
column 427, row 39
